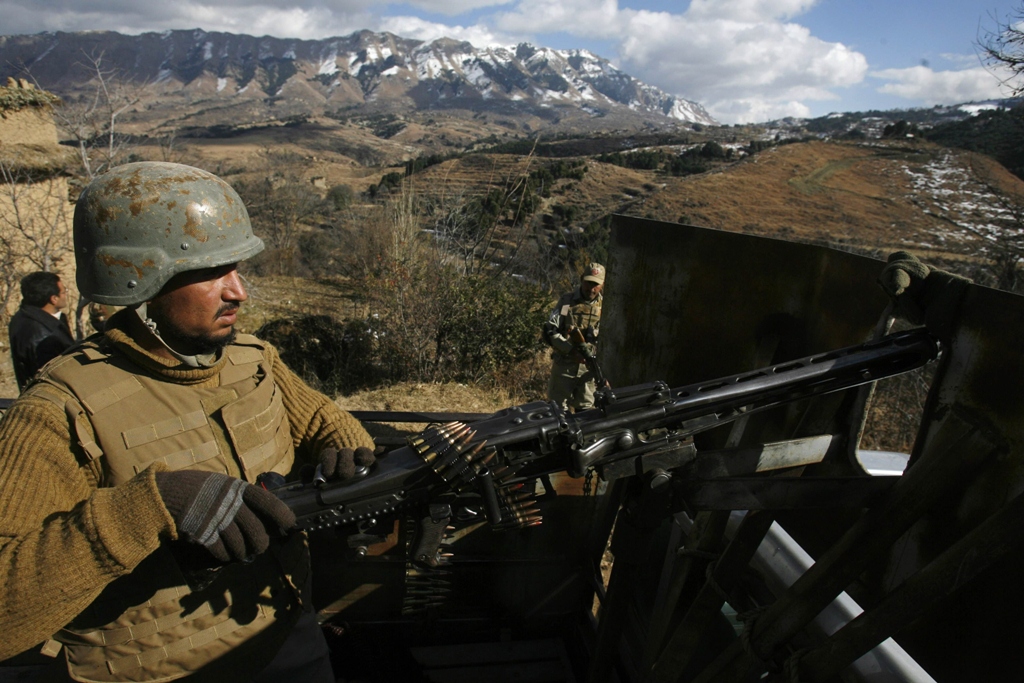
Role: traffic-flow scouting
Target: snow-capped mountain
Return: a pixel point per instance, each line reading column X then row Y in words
column 365, row 70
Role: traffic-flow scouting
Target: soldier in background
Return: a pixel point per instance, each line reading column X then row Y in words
column 39, row 331
column 571, row 331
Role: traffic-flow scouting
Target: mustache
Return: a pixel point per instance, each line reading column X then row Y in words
column 228, row 307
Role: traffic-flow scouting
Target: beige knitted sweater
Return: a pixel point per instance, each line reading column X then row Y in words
column 64, row 534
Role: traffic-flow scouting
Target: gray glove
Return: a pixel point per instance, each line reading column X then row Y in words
column 346, row 463
column 923, row 295
column 229, row 517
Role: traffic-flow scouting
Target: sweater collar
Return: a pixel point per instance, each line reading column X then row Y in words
column 123, row 331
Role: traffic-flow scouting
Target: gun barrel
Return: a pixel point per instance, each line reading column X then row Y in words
column 783, row 383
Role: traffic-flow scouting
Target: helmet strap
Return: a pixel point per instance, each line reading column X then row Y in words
column 203, row 360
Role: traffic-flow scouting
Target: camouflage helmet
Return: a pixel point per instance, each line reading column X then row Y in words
column 140, row 224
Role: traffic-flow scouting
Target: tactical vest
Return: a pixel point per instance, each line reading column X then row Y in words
column 151, row 625
column 586, row 314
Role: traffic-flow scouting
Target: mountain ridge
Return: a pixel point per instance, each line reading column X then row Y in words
column 365, row 71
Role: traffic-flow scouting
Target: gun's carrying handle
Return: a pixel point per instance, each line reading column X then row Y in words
column 490, row 496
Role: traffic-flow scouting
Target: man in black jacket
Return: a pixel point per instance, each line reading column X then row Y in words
column 39, row 331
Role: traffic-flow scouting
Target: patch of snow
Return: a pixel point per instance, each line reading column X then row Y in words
column 329, row 65
column 221, row 84
column 377, row 53
column 974, row 109
column 949, row 191
column 477, row 76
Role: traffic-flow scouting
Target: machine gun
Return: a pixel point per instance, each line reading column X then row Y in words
column 475, row 471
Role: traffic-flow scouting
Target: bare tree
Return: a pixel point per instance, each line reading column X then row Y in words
column 37, row 217
column 91, row 119
column 35, row 232
column 9, row 275
column 280, row 203
column 484, row 234
column 1002, row 48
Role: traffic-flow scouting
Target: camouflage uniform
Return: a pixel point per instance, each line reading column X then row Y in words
column 572, row 384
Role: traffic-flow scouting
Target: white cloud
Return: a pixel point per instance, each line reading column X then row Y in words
column 929, row 87
column 281, row 18
column 748, row 10
column 588, row 18
column 737, row 57
column 419, row 29
column 755, row 109
column 294, row 22
column 960, row 61
column 761, row 66
column 453, row 7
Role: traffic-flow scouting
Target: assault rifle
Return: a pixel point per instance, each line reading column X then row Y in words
column 473, row 471
column 579, row 343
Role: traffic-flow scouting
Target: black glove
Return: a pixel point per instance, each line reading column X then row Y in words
column 227, row 516
column 346, row 463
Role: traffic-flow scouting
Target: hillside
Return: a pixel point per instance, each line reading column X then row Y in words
column 868, row 197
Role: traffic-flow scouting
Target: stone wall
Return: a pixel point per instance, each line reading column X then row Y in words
column 35, row 211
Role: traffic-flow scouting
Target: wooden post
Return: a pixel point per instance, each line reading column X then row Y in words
column 705, row 539
column 684, row 641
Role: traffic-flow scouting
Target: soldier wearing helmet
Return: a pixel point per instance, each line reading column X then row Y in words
column 138, row 540
column 572, row 384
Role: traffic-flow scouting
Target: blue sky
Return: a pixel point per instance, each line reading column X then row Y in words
column 744, row 60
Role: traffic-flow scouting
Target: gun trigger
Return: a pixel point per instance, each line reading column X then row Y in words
column 318, row 477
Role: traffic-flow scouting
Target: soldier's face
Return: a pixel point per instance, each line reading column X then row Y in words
column 590, row 289
column 196, row 311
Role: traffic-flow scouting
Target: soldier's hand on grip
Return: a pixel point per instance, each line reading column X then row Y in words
column 922, row 294
column 232, row 519
column 346, row 463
